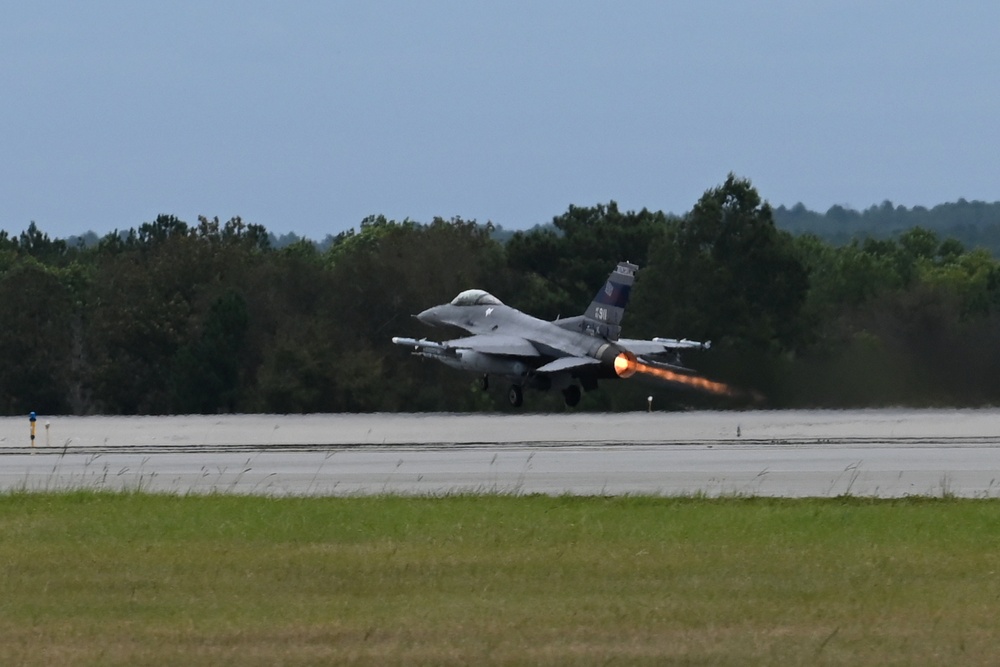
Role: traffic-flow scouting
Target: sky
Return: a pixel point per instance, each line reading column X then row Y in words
column 306, row 117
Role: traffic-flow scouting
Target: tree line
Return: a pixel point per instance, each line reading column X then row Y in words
column 972, row 223
column 176, row 318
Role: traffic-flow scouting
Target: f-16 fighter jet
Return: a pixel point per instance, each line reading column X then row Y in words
column 565, row 354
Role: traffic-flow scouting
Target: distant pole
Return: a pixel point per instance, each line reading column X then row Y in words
column 649, row 403
column 31, row 418
column 47, row 424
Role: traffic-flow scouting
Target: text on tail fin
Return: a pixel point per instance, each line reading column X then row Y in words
column 604, row 315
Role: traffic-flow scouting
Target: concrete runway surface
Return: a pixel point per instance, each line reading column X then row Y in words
column 886, row 453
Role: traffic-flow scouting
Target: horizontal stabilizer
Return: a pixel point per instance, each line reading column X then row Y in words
column 566, row 363
column 641, row 347
column 660, row 345
column 653, row 363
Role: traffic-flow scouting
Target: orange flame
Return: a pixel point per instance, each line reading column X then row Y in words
column 627, row 366
column 690, row 380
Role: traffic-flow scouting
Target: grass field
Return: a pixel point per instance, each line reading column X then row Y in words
column 123, row 579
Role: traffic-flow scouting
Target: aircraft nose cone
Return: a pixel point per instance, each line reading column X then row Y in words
column 429, row 316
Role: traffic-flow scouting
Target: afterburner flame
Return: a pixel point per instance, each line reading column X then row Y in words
column 625, row 365
column 690, row 380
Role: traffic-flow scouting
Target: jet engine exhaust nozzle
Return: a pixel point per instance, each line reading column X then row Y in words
column 625, row 365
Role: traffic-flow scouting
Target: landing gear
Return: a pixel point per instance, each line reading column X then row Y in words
column 572, row 395
column 484, row 382
column 515, row 395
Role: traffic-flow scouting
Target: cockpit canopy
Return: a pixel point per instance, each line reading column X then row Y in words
column 476, row 297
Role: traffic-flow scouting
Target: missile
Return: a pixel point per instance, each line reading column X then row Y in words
column 683, row 343
column 418, row 345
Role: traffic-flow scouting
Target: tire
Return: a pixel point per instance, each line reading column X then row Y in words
column 515, row 395
column 572, row 395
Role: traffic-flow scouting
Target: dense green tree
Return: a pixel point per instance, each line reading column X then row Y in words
column 392, row 271
column 724, row 272
column 37, row 243
column 211, row 317
column 36, row 340
column 207, row 373
column 162, row 229
column 563, row 265
column 974, row 224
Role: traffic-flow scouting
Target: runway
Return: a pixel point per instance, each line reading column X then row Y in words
column 884, row 453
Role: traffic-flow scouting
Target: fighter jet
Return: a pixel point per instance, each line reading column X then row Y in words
column 565, row 354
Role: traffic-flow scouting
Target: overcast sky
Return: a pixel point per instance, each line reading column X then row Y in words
column 307, row 116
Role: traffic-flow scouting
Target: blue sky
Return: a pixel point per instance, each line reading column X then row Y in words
column 307, row 116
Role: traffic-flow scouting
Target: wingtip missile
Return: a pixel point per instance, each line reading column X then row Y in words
column 684, row 343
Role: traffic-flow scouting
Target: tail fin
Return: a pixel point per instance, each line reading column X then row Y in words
column 604, row 315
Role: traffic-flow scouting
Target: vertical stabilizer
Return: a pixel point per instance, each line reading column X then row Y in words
column 604, row 315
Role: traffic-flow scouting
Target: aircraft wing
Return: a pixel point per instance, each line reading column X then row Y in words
column 566, row 363
column 660, row 345
column 510, row 346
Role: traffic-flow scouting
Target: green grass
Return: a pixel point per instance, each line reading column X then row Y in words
column 102, row 578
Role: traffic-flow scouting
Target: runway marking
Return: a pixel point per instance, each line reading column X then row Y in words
column 883, row 453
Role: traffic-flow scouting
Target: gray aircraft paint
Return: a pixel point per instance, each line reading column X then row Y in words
column 530, row 352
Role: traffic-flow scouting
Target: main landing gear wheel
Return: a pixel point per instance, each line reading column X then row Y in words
column 572, row 395
column 515, row 395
